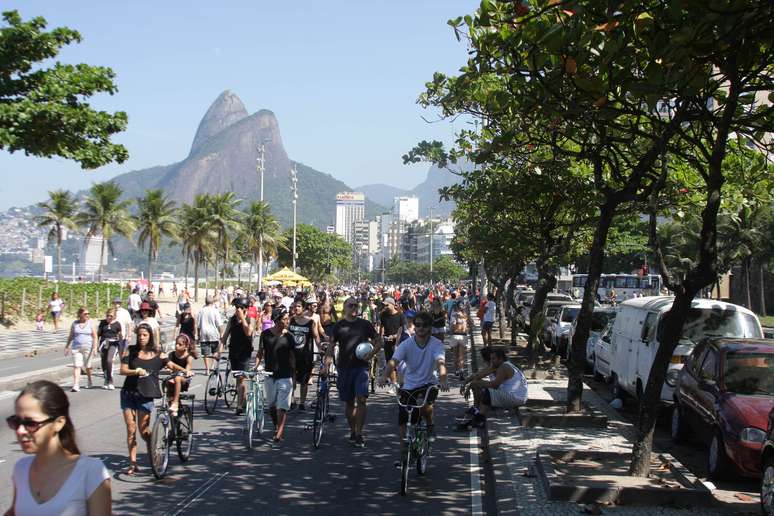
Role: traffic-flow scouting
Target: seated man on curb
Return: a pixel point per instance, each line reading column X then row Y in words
column 508, row 389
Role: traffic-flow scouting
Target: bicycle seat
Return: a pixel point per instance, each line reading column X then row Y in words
column 184, row 396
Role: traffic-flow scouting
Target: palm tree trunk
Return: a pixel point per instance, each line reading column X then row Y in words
column 101, row 258
column 250, row 276
column 217, row 263
column 150, row 263
column 206, row 277
column 239, row 273
column 58, row 261
column 187, row 261
column 762, row 291
column 196, row 278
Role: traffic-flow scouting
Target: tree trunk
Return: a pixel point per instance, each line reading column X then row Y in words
column 511, row 309
column 746, row 273
column 239, row 273
column 762, row 290
column 58, row 262
column 583, row 325
column 500, row 313
column 196, row 278
column 150, row 267
column 216, row 271
column 546, row 283
column 101, row 258
column 187, row 261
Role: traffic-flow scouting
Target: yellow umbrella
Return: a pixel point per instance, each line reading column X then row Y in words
column 286, row 276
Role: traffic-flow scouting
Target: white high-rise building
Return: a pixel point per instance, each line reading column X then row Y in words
column 405, row 209
column 350, row 208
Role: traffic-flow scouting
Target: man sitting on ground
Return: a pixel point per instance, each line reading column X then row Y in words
column 508, row 389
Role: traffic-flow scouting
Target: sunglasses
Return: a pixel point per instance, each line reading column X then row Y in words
column 32, row 426
column 421, row 325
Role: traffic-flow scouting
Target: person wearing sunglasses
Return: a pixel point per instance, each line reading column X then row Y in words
column 54, row 477
column 353, row 379
column 82, row 343
column 424, row 359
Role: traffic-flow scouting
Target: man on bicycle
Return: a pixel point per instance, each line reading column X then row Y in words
column 239, row 336
column 352, row 382
column 425, row 366
column 276, row 350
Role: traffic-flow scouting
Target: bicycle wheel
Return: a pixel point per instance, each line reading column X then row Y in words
column 405, row 466
column 185, row 435
column 159, row 446
column 229, row 388
column 249, row 422
column 320, row 413
column 212, row 392
column 423, row 453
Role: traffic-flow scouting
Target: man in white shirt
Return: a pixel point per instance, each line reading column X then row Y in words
column 134, row 303
column 125, row 320
column 425, row 367
column 489, row 318
column 210, row 324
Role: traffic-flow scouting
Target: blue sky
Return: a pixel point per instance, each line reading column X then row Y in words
column 342, row 78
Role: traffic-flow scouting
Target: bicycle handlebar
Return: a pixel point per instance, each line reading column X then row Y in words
column 409, row 405
column 251, row 374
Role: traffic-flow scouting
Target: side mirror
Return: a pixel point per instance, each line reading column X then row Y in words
column 709, row 384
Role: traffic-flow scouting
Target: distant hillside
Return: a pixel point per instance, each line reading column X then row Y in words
column 223, row 158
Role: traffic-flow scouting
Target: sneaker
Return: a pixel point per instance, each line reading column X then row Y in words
column 106, row 387
column 89, row 385
column 75, row 388
column 111, row 387
column 431, row 437
column 359, row 442
column 301, row 406
column 352, row 437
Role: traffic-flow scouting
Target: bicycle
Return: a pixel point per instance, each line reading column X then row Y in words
column 168, row 428
column 373, row 372
column 219, row 384
column 417, row 443
column 254, row 402
column 322, row 403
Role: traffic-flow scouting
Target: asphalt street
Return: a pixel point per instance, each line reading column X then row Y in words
column 223, row 477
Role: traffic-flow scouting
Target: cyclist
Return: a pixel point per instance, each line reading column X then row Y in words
column 352, row 382
column 240, row 330
column 459, row 327
column 439, row 319
column 209, row 322
column 182, row 357
column 425, row 366
column 508, row 388
column 275, row 348
column 303, row 328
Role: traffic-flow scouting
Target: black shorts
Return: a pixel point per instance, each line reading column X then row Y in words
column 239, row 362
column 304, row 366
column 389, row 349
column 415, row 395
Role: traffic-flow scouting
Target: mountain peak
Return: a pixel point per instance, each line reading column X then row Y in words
column 223, row 112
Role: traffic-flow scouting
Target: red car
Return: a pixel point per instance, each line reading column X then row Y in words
column 724, row 395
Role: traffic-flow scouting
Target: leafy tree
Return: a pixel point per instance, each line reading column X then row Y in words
column 43, row 111
column 59, row 213
column 197, row 234
column 445, row 269
column 104, row 213
column 156, row 218
column 319, row 253
column 263, row 233
column 224, row 217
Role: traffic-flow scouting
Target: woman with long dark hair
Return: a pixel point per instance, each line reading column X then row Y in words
column 141, row 366
column 55, row 478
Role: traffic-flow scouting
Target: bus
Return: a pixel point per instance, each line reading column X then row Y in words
column 625, row 285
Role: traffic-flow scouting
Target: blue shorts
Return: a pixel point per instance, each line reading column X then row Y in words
column 133, row 400
column 352, row 382
column 487, row 325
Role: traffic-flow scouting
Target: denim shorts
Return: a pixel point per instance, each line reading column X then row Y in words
column 133, row 400
column 352, row 382
column 209, row 348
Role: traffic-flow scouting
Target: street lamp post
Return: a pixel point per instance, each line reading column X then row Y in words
column 261, row 167
column 431, row 245
column 294, row 190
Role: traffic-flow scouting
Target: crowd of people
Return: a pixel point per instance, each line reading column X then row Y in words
column 289, row 332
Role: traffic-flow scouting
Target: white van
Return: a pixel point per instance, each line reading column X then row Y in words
column 635, row 335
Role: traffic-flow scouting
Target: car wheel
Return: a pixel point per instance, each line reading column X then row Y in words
column 678, row 431
column 717, row 460
column 639, row 391
column 767, row 487
column 618, row 392
column 597, row 375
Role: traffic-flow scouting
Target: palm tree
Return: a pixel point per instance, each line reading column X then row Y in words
column 198, row 235
column 104, row 213
column 223, row 215
column 263, row 231
column 156, row 218
column 59, row 213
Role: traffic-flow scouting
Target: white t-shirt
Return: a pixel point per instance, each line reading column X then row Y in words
column 420, row 363
column 55, row 305
column 123, row 317
column 134, row 302
column 209, row 322
column 489, row 315
column 71, row 499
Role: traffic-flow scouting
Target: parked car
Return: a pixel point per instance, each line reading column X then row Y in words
column 601, row 317
column 551, row 296
column 550, row 310
column 559, row 329
column 603, row 356
column 636, row 333
column 767, row 469
column 724, row 395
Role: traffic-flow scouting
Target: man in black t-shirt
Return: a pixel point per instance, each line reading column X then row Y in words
column 352, row 381
column 392, row 322
column 276, row 349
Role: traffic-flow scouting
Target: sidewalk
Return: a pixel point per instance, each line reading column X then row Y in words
column 512, row 449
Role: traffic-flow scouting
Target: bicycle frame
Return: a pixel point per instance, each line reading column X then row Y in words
column 322, row 402
column 254, row 401
column 416, row 438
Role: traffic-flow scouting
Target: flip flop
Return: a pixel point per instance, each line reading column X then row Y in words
column 132, row 470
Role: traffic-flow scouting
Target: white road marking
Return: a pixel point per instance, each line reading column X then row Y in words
column 196, row 495
column 475, row 476
column 9, row 368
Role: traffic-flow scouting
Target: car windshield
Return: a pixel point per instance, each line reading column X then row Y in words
column 552, row 311
column 719, row 322
column 600, row 319
column 749, row 373
column 570, row 313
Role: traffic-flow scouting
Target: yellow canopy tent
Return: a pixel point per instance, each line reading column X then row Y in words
column 289, row 278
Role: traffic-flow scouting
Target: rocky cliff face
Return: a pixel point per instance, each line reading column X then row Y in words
column 223, row 158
